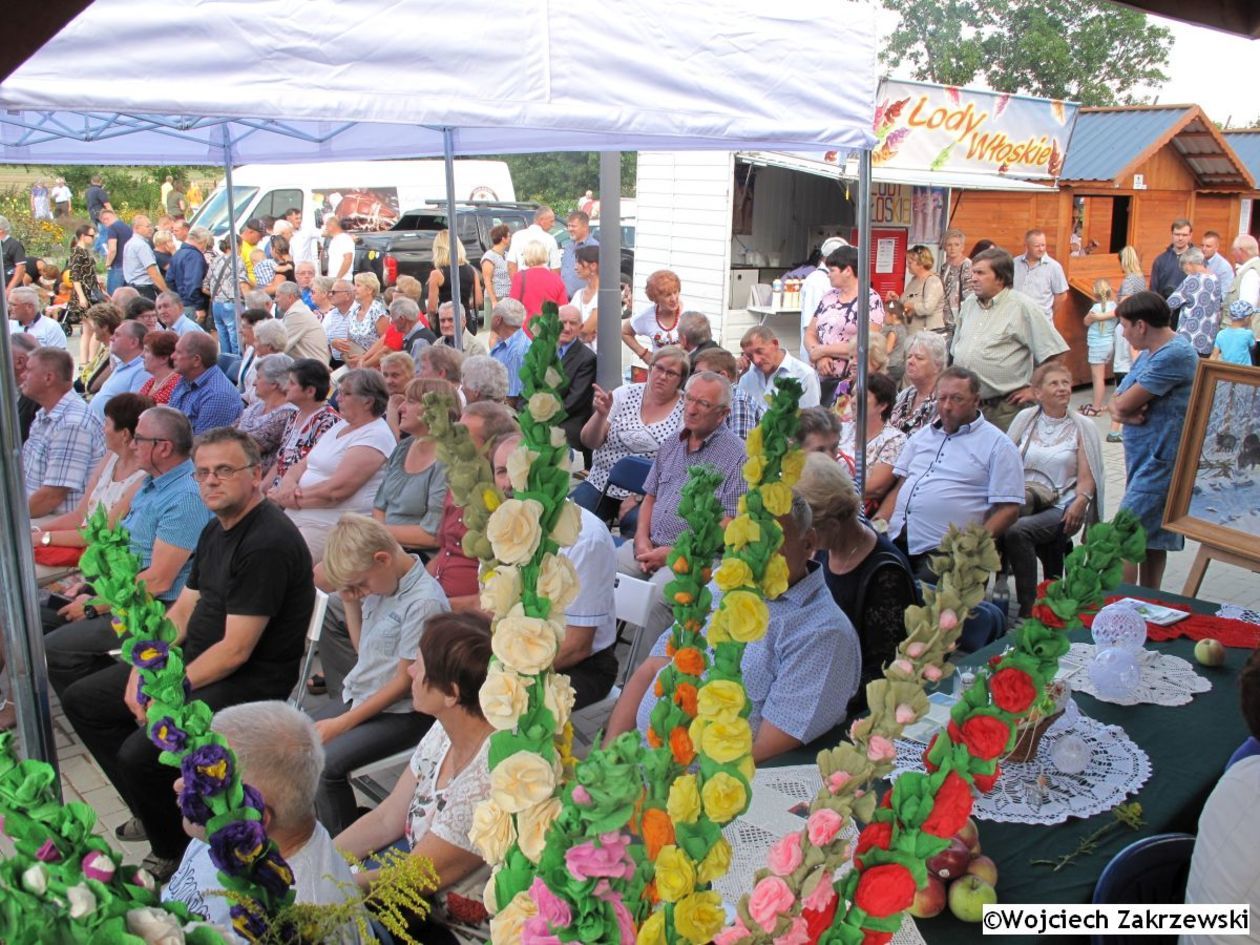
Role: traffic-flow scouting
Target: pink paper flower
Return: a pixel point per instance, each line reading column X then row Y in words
column 625, row 922
column 932, row 673
column 916, row 649
column 837, row 780
column 581, row 796
column 823, row 825
column 880, row 749
column 903, row 666
column 733, row 935
column 536, row 932
column 770, row 898
column 949, row 619
column 785, row 856
column 797, row 933
column 550, row 906
column 820, row 898
column 904, row 714
column 48, row 852
column 586, row 860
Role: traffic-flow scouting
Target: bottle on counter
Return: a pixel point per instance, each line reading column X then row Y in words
column 776, row 293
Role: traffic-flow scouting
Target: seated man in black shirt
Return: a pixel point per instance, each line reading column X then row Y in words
column 242, row 622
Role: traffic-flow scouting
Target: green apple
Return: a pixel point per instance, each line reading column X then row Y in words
column 1209, row 652
column 967, row 897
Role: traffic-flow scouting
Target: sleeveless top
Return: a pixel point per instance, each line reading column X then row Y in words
column 108, row 492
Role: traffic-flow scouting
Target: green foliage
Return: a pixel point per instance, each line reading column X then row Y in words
column 1087, row 51
column 131, row 190
column 42, row 239
column 559, row 178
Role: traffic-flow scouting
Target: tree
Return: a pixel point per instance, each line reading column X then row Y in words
column 1083, row 50
column 559, row 178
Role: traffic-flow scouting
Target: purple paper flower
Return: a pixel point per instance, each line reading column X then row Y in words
column 193, row 807
column 208, row 770
column 48, row 852
column 234, row 848
column 272, row 873
column 150, row 654
column 248, row 921
column 167, row 735
column 252, row 798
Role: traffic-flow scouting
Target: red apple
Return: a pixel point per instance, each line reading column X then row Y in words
column 985, row 868
column 967, row 897
column 930, row 900
column 951, row 862
column 970, row 835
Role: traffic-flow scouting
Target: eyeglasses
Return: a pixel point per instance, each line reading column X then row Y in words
column 702, row 404
column 150, row 439
column 676, row 375
column 222, row 473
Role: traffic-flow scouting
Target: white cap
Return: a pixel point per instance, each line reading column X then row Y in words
column 831, row 244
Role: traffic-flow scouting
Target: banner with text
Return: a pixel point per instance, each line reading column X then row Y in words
column 921, row 127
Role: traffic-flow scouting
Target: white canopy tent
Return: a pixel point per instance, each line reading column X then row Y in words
column 268, row 81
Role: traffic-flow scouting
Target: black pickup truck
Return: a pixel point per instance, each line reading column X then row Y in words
column 406, row 249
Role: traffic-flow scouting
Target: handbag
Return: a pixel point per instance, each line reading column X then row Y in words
column 57, row 556
column 1037, row 495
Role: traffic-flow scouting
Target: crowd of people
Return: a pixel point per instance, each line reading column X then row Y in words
column 253, row 459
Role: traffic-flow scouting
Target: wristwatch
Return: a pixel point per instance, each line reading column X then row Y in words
column 90, row 612
column 46, row 539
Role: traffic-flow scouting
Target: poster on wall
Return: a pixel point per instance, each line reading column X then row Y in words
column 927, row 215
column 361, row 209
column 920, row 126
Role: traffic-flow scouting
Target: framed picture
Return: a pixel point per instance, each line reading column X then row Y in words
column 1215, row 494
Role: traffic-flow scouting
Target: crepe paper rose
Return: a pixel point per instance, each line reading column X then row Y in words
column 726, row 741
column 237, row 845
column 509, row 923
column 514, row 530
column 525, row 644
column 746, row 616
column 551, row 908
column 797, row 933
column 681, row 747
column 837, row 780
column 559, row 697
column 151, row 654
column 535, row 931
column 193, row 806
column 144, row 879
column 724, row 796
column 1012, row 690
column 684, row 799
column 777, row 498
column 686, row 698
column 873, row 836
column 48, row 852
column 652, row 931
column 984, row 736
column 521, row 780
column 823, row 826
column 720, row 699
column 99, row 866
column 35, row 879
column 948, row 620
column 775, row 581
column 167, row 736
column 785, row 855
column 155, row 926
column 657, row 830
column 885, row 890
column 543, row 406
column 699, row 917
column 675, row 874
column 207, row 770
column 822, row 895
column 581, row 796
column 500, row 589
column 518, row 463
column 754, row 470
column 689, row 661
column 916, row 649
column 733, row 573
column 248, row 920
column 81, row 900
column 770, row 898
column 742, row 531
column 608, row 859
column 558, row 582
column 716, row 862
column 984, row 782
column 492, row 831
column 932, row 673
column 568, row 524
column 879, row 749
column 532, row 825
column 950, row 808
column 504, row 697
column 791, row 467
column 1047, row 616
column 732, row 935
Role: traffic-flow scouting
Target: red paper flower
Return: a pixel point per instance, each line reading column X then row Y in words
column 1044, row 587
column 984, row 736
column 1048, row 617
column 1012, row 690
column 950, row 808
column 985, row 782
column 871, row 937
column 995, row 660
column 876, row 835
column 885, row 890
column 931, row 768
column 817, row 922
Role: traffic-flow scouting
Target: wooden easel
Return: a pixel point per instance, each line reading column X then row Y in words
column 1210, row 553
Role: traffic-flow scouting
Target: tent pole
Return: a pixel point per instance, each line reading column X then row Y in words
column 457, row 305
column 233, row 245
column 23, row 629
column 864, row 317
column 608, row 334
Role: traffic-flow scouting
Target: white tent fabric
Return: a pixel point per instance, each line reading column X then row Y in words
column 303, row 80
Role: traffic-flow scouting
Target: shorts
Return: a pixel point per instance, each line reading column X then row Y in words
column 1101, row 352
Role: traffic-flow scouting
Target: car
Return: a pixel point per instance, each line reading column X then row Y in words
column 627, row 247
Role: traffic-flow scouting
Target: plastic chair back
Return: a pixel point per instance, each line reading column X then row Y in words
column 230, row 364
column 629, row 473
column 1150, row 871
column 314, row 630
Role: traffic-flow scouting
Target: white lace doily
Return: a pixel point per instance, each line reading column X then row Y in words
column 780, row 802
column 1238, row 612
column 1036, row 792
column 1166, row 679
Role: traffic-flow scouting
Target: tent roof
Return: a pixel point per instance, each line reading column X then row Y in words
column 302, row 80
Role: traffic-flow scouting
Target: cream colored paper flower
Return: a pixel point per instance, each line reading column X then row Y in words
column 558, row 697
column 504, row 697
column 568, row 524
column 518, row 463
column 543, row 406
column 514, row 530
column 558, row 582
column 507, row 926
column 521, row 781
column 552, row 377
column 501, row 589
column 532, row 825
column 526, row 644
column 492, row 831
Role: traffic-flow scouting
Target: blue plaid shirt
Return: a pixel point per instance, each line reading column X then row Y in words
column 511, row 354
column 63, row 449
column 208, row 402
column 723, row 450
column 167, row 508
column 745, row 413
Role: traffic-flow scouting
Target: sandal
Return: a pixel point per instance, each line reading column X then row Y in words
column 316, row 685
column 1089, row 410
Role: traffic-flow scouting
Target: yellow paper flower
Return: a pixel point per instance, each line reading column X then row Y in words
column 754, row 469
column 675, row 874
column 520, row 781
column 732, row 573
column 532, row 825
column 747, row 618
column 755, row 445
column 526, row 644
column 504, row 697
column 724, row 796
column 716, row 863
column 507, row 926
column 558, row 582
column 777, row 498
column 491, row 498
column 700, row 917
column 558, row 697
column 747, row 767
column 543, row 406
column 742, row 531
column 514, row 530
column 518, row 463
column 720, row 699
column 492, row 831
column 727, row 740
column 568, row 525
column 683, row 805
column 500, row 589
column 716, row 632
column 775, row 581
column 792, row 466
column 652, row 932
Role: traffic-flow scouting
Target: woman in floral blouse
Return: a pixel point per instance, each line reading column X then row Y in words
column 307, row 389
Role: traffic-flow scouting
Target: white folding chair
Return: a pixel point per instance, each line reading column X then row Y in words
column 313, row 632
column 362, row 778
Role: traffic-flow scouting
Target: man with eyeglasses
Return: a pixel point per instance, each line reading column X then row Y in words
column 704, row 440
column 336, row 324
column 241, row 620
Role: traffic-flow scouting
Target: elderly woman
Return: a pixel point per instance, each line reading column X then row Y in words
column 483, row 378
column 102, row 320
column 883, row 441
column 159, row 361
column 634, row 420
column 409, row 501
column 923, row 301
column 658, row 322
column 366, row 321
column 268, row 416
column 439, row 289
column 439, row 361
column 321, row 295
column 916, row 404
column 831, row 335
column 344, row 469
column 1196, row 305
column 307, row 390
column 469, row 342
column 1063, row 473
column 535, row 283
column 262, row 336
column 432, row 806
column 868, row 576
column 955, row 276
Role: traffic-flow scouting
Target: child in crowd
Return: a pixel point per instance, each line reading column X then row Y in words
column 1120, row 366
column 895, row 334
column 1235, row 343
column 1100, row 337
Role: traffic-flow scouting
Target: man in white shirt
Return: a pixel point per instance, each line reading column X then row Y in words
column 278, row 753
column 24, row 307
column 1038, row 276
column 1216, row 262
column 817, row 284
column 538, row 231
column 767, row 360
column 340, row 250
column 304, row 245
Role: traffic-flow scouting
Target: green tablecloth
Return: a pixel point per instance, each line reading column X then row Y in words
column 1188, row 746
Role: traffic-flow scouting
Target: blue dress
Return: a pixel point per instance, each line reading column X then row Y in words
column 1150, row 449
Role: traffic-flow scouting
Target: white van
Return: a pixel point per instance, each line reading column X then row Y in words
column 368, row 196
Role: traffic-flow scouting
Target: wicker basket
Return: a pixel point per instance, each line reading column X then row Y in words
column 1029, row 737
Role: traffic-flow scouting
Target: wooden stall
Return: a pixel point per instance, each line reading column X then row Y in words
column 1129, row 172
